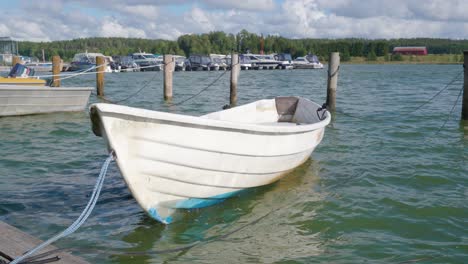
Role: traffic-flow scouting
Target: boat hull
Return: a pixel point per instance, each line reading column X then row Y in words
column 192, row 162
column 26, row 100
column 308, row 66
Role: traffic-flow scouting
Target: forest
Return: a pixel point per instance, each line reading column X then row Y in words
column 223, row 43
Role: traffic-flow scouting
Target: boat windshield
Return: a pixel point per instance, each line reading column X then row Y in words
column 180, row 59
column 86, row 57
column 284, row 57
column 143, row 56
column 205, row 60
column 217, row 60
column 312, row 58
column 126, row 60
column 80, row 57
column 244, row 59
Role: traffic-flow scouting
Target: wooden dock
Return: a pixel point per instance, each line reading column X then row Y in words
column 14, row 242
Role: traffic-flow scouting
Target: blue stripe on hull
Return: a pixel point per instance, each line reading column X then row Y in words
column 192, row 203
column 154, row 214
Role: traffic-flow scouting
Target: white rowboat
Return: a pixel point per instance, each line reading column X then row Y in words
column 28, row 99
column 172, row 161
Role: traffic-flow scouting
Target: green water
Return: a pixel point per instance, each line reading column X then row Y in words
column 384, row 186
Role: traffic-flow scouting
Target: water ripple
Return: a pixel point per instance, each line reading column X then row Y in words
column 384, row 186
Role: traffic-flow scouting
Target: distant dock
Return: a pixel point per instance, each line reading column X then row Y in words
column 14, row 242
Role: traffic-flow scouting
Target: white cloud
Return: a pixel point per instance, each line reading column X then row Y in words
column 4, row 30
column 112, row 28
column 141, row 11
column 253, row 5
column 365, row 9
column 443, row 10
column 197, row 21
column 168, row 19
column 301, row 17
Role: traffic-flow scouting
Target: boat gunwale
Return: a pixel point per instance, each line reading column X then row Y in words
column 31, row 87
column 200, row 122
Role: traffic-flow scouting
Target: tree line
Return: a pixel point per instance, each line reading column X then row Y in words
column 222, row 43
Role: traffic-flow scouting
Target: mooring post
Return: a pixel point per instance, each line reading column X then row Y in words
column 15, row 60
column 333, row 68
column 235, row 68
column 168, row 70
column 56, row 68
column 464, row 114
column 100, row 68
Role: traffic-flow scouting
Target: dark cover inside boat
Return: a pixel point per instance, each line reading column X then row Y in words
column 286, row 107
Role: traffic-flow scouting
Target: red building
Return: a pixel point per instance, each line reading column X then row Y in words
column 410, row 50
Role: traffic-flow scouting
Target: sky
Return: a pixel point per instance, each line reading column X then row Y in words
column 48, row 20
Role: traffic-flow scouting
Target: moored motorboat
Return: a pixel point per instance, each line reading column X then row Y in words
column 84, row 61
column 245, row 63
column 284, row 61
column 147, row 61
column 22, row 75
column 171, row 161
column 262, row 62
column 199, row 62
column 307, row 62
column 180, row 63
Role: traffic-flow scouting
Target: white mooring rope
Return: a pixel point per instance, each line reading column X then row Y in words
column 81, row 219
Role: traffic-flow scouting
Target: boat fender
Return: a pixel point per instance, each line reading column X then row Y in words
column 95, row 121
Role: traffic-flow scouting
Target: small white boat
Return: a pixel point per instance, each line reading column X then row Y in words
column 262, row 62
column 308, row 62
column 220, row 61
column 284, row 61
column 180, row 63
column 84, row 61
column 171, row 161
column 245, row 63
column 148, row 61
column 28, row 99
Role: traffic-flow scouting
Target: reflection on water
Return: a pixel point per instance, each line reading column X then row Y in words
column 232, row 223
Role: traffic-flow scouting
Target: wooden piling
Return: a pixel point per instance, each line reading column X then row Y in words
column 332, row 84
column 100, row 68
column 15, row 60
column 464, row 114
column 168, row 71
column 235, row 69
column 56, row 68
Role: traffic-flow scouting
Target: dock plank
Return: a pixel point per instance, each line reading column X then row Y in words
column 14, row 242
